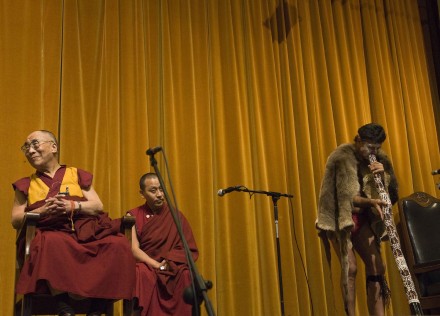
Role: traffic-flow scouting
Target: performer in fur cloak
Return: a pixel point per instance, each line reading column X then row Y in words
column 350, row 213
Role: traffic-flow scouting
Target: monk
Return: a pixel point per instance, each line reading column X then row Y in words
column 162, row 272
column 78, row 251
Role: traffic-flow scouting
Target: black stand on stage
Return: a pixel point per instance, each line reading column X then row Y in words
column 198, row 291
column 275, row 197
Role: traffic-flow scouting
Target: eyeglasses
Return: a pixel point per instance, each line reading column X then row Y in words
column 35, row 144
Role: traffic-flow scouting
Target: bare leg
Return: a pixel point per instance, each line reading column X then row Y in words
column 366, row 246
column 350, row 300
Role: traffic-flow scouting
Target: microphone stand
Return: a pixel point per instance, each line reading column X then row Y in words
column 200, row 285
column 275, row 197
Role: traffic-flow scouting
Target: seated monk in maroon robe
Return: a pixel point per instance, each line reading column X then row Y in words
column 162, row 271
column 78, row 250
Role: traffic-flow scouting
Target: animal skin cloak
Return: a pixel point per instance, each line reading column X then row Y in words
column 341, row 183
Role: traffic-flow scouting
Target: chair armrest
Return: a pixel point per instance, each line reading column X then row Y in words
column 427, row 267
column 27, row 230
column 127, row 222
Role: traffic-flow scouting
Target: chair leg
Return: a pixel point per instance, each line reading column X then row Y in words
column 26, row 305
column 17, row 305
column 127, row 307
column 109, row 308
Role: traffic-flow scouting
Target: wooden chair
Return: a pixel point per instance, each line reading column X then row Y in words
column 420, row 225
column 32, row 304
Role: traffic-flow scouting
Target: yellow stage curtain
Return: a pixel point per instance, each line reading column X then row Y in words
column 237, row 92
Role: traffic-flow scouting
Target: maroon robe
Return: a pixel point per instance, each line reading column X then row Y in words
column 93, row 261
column 161, row 292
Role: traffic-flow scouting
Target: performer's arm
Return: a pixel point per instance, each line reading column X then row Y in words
column 93, row 205
column 141, row 256
column 51, row 207
column 362, row 202
column 18, row 209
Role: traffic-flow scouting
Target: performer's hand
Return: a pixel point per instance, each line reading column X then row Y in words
column 377, row 205
column 376, row 167
column 50, row 207
column 57, row 205
column 163, row 266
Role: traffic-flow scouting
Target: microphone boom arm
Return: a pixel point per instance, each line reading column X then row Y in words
column 275, row 197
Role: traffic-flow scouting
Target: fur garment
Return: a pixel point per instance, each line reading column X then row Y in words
column 340, row 185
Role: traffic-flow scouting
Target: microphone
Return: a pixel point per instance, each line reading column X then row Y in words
column 222, row 192
column 434, row 172
column 152, row 151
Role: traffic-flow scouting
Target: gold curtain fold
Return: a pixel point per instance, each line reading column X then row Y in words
column 253, row 93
